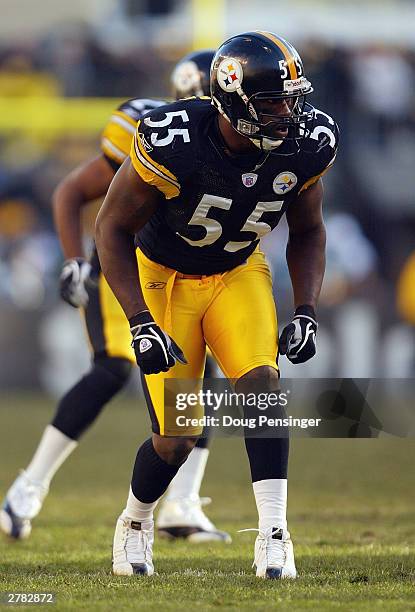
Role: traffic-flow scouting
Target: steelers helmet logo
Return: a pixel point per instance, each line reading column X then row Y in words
column 284, row 182
column 186, row 77
column 229, row 75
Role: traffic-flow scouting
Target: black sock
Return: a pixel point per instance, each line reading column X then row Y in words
column 268, row 457
column 81, row 405
column 151, row 475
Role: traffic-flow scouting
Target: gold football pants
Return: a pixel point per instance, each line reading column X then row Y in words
column 232, row 313
column 106, row 324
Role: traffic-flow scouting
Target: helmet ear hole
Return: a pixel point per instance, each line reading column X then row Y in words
column 227, row 100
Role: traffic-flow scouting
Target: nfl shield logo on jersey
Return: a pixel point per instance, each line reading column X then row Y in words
column 249, row 179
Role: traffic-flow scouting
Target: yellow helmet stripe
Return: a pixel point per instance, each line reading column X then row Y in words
column 289, row 57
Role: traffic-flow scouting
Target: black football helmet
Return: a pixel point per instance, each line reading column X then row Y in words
column 258, row 84
column 191, row 76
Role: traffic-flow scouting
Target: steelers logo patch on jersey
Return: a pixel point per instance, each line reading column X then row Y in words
column 230, row 74
column 284, row 182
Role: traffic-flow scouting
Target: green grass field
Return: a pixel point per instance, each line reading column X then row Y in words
column 351, row 516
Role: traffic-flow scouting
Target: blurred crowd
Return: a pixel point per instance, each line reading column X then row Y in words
column 369, row 200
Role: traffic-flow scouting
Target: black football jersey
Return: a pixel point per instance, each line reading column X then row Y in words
column 217, row 207
column 116, row 140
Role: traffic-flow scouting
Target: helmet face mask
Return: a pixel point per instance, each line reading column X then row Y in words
column 258, row 85
column 271, row 129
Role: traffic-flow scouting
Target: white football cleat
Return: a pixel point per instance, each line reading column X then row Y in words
column 274, row 554
column 133, row 547
column 184, row 518
column 23, row 502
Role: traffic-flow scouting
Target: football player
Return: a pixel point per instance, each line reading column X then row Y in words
column 83, row 285
column 406, row 290
column 205, row 180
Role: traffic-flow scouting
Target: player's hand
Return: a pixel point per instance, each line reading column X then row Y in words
column 74, row 277
column 154, row 350
column 298, row 339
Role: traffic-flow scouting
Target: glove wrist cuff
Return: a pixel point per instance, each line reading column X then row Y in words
column 79, row 260
column 306, row 310
column 144, row 316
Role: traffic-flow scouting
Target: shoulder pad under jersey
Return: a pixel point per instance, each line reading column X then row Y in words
column 164, row 148
column 319, row 150
column 117, row 134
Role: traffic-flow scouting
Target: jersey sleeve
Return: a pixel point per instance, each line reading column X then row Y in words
column 117, row 135
column 322, row 143
column 119, row 131
column 161, row 151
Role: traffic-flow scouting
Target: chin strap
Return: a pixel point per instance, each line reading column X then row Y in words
column 266, row 144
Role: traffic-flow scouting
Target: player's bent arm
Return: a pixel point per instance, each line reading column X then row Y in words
column 128, row 205
column 306, row 245
column 84, row 184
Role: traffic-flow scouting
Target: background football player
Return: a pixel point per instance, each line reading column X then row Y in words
column 406, row 290
column 204, row 183
column 83, row 285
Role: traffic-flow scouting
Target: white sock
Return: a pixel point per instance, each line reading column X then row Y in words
column 137, row 510
column 271, row 502
column 54, row 448
column 189, row 478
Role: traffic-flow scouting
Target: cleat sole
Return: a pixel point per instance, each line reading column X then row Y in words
column 132, row 569
column 13, row 526
column 139, row 569
column 177, row 533
column 273, row 573
column 196, row 535
column 209, row 536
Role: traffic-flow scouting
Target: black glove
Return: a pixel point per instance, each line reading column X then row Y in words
column 154, row 350
column 73, row 280
column 298, row 339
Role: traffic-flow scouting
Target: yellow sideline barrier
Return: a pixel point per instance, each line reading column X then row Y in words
column 49, row 116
